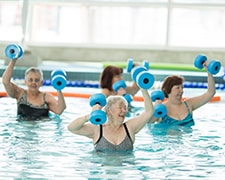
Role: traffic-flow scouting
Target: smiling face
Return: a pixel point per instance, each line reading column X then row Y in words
column 176, row 92
column 116, row 108
column 33, row 79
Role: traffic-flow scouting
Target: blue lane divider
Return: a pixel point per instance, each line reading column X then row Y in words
column 187, row 84
column 75, row 84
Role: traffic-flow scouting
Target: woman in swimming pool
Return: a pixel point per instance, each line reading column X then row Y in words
column 109, row 76
column 116, row 134
column 179, row 112
column 32, row 104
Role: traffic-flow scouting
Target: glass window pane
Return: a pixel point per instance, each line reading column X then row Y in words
column 10, row 21
column 197, row 27
column 52, row 23
column 127, row 25
column 99, row 24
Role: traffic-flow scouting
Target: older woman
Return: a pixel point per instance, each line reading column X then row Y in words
column 32, row 103
column 179, row 112
column 115, row 134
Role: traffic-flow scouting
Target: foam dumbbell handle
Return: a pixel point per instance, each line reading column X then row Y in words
column 98, row 98
column 214, row 67
column 14, row 51
column 128, row 98
column 199, row 61
column 159, row 110
column 146, row 64
column 135, row 71
column 157, row 95
column 98, row 117
column 130, row 64
column 119, row 84
column 145, row 80
column 59, row 82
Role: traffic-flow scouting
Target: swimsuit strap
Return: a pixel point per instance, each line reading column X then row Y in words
column 101, row 130
column 44, row 97
column 187, row 106
column 100, row 135
column 128, row 134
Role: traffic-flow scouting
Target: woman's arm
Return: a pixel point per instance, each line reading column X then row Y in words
column 137, row 123
column 56, row 105
column 12, row 89
column 133, row 89
column 199, row 101
column 81, row 126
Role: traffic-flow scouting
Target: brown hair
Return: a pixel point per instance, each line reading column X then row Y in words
column 169, row 82
column 107, row 75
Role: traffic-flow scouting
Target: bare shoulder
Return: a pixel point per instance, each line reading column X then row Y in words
column 106, row 92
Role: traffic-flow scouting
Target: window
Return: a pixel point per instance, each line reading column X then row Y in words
column 126, row 23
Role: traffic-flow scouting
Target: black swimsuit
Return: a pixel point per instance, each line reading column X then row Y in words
column 26, row 110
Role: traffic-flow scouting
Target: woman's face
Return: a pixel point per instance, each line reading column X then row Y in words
column 33, row 81
column 117, row 78
column 176, row 92
column 118, row 111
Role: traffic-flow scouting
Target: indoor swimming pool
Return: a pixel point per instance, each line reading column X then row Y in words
column 47, row 150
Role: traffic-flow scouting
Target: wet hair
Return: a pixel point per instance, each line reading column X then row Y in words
column 107, row 75
column 169, row 82
column 34, row 70
column 113, row 100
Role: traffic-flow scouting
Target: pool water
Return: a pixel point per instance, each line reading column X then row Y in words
column 47, row 150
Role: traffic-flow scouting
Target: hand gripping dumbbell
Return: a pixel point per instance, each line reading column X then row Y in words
column 59, row 79
column 130, row 64
column 122, row 84
column 14, row 51
column 213, row 66
column 159, row 109
column 142, row 77
column 98, row 116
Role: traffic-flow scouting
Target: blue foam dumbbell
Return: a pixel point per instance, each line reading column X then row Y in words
column 159, row 109
column 213, row 66
column 98, row 116
column 122, row 84
column 142, row 77
column 130, row 64
column 14, row 51
column 59, row 79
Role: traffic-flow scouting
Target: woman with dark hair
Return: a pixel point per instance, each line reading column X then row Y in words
column 179, row 111
column 112, row 74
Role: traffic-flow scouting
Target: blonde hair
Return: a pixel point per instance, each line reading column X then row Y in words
column 34, row 70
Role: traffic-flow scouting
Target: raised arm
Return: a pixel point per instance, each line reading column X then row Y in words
column 133, row 89
column 81, row 126
column 199, row 101
column 12, row 89
column 137, row 123
column 56, row 105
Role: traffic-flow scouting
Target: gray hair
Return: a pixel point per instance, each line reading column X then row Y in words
column 113, row 100
column 35, row 70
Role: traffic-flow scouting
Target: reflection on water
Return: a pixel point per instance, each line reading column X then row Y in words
column 47, row 150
